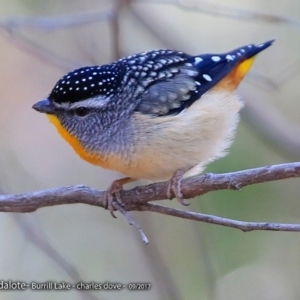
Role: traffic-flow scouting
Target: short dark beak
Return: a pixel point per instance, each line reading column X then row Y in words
column 44, row 106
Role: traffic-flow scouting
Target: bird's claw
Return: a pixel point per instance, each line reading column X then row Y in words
column 113, row 193
column 174, row 187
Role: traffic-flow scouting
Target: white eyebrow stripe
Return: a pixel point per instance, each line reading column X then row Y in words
column 64, row 105
column 97, row 102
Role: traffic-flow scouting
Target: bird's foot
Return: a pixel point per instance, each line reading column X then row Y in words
column 114, row 193
column 174, row 187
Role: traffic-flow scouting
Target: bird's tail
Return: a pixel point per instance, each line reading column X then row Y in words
column 248, row 54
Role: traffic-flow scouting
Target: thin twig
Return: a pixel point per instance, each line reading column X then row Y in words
column 242, row 225
column 132, row 222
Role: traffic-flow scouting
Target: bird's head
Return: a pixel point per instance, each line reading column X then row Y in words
column 84, row 102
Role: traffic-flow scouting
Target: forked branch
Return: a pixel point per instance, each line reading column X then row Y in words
column 138, row 198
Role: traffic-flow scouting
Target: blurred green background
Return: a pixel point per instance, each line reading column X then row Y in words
column 42, row 40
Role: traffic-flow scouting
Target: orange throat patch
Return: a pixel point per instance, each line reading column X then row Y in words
column 91, row 157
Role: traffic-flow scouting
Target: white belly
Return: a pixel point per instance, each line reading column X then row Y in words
column 191, row 139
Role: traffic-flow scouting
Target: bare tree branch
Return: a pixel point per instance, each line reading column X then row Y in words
column 191, row 187
column 138, row 198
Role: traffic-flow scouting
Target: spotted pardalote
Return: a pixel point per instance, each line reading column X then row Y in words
column 157, row 115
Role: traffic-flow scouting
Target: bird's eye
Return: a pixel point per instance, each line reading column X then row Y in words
column 81, row 111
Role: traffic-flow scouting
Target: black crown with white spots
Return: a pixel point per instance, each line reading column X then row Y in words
column 88, row 82
column 163, row 81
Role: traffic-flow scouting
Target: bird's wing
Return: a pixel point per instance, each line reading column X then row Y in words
column 180, row 79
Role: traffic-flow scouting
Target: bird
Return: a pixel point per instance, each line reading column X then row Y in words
column 156, row 115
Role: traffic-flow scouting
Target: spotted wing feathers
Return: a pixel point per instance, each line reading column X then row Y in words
column 166, row 95
column 192, row 76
